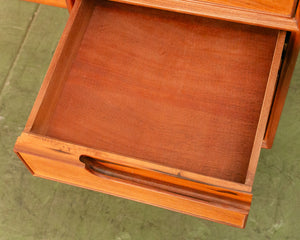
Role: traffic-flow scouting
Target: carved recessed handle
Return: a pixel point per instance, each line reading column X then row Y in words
column 134, row 176
column 100, row 168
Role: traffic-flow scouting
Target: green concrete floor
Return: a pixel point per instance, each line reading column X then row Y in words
column 34, row 208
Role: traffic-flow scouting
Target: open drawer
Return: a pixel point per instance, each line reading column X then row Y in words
column 163, row 108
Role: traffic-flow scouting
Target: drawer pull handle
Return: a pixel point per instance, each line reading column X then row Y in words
column 98, row 168
column 129, row 175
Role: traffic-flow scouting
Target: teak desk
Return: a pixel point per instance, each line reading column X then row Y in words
column 165, row 102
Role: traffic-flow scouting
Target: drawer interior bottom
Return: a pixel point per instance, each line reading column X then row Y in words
column 173, row 89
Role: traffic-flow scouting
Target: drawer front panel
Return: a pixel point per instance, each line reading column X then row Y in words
column 78, row 176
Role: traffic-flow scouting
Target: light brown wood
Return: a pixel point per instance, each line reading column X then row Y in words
column 279, row 7
column 267, row 13
column 288, row 65
column 282, row 7
column 172, row 106
column 70, row 4
column 56, row 3
column 267, row 103
column 160, row 180
column 45, row 146
column 71, row 154
column 55, row 114
column 219, row 11
column 153, row 111
column 78, row 176
column 60, row 64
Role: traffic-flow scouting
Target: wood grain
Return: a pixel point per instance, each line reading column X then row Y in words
column 162, row 107
column 161, row 180
column 78, row 176
column 60, row 65
column 266, row 13
column 70, row 153
column 286, row 74
column 173, row 106
column 266, row 107
column 282, row 7
column 223, row 12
